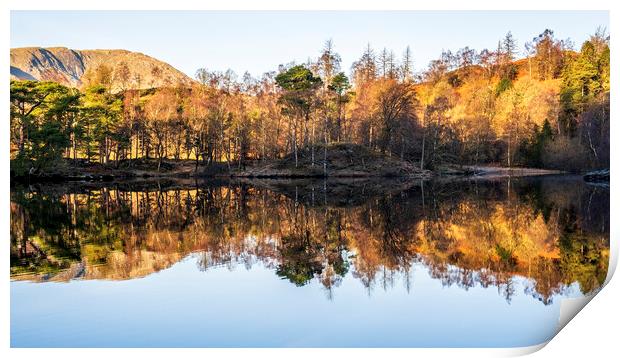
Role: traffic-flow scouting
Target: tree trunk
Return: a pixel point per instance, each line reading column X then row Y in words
column 312, row 143
column 74, row 146
column 160, row 153
column 295, row 142
column 509, row 145
column 21, row 138
column 423, row 145
column 325, row 153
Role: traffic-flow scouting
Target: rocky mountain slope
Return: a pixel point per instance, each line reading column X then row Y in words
column 70, row 67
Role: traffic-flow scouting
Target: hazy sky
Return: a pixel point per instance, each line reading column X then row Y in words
column 259, row 41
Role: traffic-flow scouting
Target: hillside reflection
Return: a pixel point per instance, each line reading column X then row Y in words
column 553, row 231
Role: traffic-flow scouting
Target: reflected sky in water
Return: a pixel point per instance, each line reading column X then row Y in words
column 467, row 264
column 184, row 307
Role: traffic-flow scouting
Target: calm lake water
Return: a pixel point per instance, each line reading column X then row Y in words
column 483, row 263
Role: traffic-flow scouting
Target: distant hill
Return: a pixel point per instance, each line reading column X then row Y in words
column 69, row 67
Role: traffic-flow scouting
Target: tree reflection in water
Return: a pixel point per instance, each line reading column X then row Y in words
column 553, row 231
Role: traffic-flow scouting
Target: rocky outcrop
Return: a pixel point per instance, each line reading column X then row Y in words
column 340, row 160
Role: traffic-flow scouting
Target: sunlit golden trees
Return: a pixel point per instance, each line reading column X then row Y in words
column 201, row 135
column 550, row 55
column 161, row 110
column 466, row 107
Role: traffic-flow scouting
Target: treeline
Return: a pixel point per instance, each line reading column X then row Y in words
column 550, row 109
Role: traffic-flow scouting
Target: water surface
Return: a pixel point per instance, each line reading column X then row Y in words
column 483, row 263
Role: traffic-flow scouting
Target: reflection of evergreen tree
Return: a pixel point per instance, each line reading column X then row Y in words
column 300, row 263
column 45, row 238
column 583, row 260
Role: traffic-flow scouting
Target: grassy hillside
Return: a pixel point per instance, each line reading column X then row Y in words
column 72, row 67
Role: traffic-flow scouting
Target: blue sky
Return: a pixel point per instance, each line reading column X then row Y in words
column 259, row 41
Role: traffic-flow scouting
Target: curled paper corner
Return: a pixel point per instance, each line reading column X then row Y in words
column 523, row 351
column 570, row 307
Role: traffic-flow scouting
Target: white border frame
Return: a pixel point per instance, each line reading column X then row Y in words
column 594, row 330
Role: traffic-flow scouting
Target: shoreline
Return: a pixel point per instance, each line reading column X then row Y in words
column 181, row 171
column 494, row 171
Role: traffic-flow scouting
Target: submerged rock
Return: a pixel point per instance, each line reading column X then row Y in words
column 601, row 175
